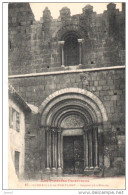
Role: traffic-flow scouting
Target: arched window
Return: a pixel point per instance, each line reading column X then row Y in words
column 71, row 50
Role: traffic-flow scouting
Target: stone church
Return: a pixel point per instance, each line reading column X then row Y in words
column 71, row 72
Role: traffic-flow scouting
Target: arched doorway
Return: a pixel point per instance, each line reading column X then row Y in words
column 72, row 120
column 71, row 50
column 72, row 123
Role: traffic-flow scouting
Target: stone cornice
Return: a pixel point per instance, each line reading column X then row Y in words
column 66, row 72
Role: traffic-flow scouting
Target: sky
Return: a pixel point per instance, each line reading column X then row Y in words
column 75, row 8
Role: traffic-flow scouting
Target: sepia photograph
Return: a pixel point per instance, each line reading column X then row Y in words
column 66, row 95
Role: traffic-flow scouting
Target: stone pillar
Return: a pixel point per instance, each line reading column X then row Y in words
column 91, row 147
column 80, row 41
column 59, row 151
column 62, row 52
column 96, row 147
column 86, row 143
column 53, row 150
column 47, row 130
column 55, row 136
column 42, row 147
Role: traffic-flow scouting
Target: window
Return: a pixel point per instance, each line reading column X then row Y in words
column 17, row 121
column 71, row 51
column 14, row 119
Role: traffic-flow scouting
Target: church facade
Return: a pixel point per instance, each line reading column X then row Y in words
column 71, row 72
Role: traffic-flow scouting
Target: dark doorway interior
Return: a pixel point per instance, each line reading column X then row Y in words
column 71, row 51
column 73, row 154
column 17, row 157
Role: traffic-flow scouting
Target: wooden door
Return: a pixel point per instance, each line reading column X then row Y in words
column 73, row 154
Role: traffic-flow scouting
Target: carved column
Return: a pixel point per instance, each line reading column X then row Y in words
column 96, row 146
column 47, row 130
column 86, row 143
column 80, row 41
column 91, row 147
column 53, row 149
column 55, row 136
column 59, row 150
column 62, row 52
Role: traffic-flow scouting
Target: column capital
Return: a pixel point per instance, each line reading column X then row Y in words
column 85, row 130
column 47, row 129
column 80, row 40
column 61, row 42
column 59, row 130
column 53, row 130
column 96, row 125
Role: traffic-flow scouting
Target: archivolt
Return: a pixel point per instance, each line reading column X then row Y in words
column 71, row 28
column 63, row 102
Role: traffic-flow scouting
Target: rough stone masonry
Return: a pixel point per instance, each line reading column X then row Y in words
column 84, row 51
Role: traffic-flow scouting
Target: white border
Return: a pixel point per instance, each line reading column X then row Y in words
column 5, row 95
column 5, row 98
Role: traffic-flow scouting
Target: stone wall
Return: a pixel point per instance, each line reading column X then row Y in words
column 108, row 85
column 33, row 45
column 34, row 48
column 20, row 19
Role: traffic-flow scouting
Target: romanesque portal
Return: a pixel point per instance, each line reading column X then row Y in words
column 73, row 122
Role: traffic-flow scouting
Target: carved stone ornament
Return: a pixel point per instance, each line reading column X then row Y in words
column 72, row 121
column 46, row 15
column 88, row 9
column 65, row 13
